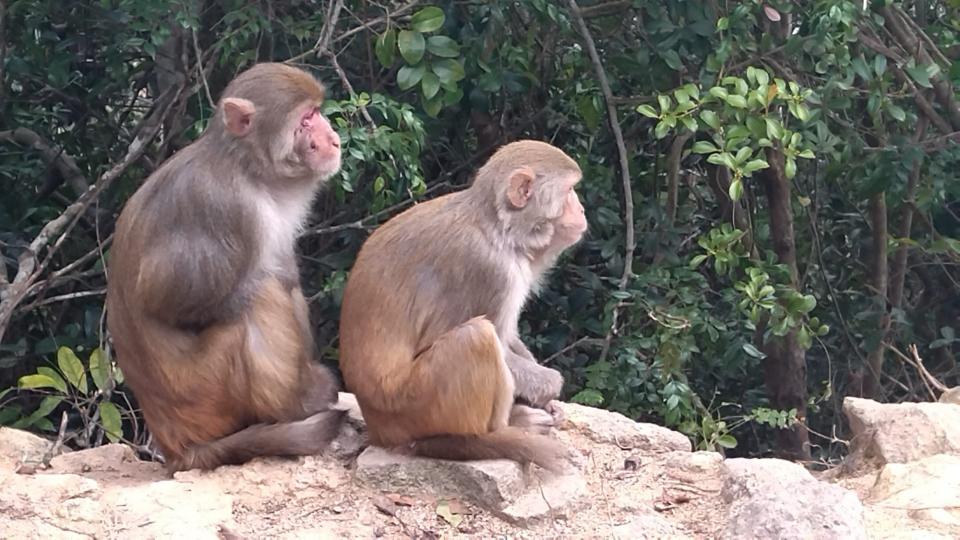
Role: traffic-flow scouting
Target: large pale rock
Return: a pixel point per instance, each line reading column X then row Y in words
column 498, row 485
column 772, row 498
column 901, row 432
column 928, row 489
column 106, row 458
column 607, row 427
column 18, row 446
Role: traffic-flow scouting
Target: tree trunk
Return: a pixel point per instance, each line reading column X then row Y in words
column 879, row 278
column 785, row 368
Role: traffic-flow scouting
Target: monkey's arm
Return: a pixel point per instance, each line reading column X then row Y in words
column 535, row 384
column 195, row 279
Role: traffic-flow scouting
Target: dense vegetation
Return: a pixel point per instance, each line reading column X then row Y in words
column 775, row 218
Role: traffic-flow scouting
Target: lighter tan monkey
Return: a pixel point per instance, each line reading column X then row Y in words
column 204, row 304
column 428, row 330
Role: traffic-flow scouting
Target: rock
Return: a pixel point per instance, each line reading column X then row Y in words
column 49, row 506
column 928, row 489
column 171, row 509
column 613, row 428
column 693, row 467
column 498, row 485
column 109, row 457
column 772, row 498
column 18, row 446
column 901, row 432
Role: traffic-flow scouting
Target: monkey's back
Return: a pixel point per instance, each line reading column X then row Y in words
column 418, row 276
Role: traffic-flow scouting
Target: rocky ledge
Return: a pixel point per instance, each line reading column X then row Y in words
column 631, row 480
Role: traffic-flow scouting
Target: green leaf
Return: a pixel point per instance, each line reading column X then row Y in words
column 449, row 71
column 665, row 103
column 704, row 147
column 698, row 260
column 710, row 118
column 723, row 23
column 755, row 165
column 412, row 45
column 61, row 384
column 807, row 154
column 680, row 94
column 774, row 128
column 386, row 48
column 110, row 421
column 920, row 75
column 378, row 184
column 753, row 351
column 689, row 122
column 661, row 130
column 727, row 441
column 647, row 111
column 763, row 78
column 100, row 368
column 897, row 113
column 432, row 106
column 737, row 101
column 736, row 190
column 879, row 64
column 791, row 168
column 37, row 381
column 72, row 368
column 427, row 19
column 430, row 84
column 443, row 46
column 743, row 154
column 719, row 92
column 410, row 76
column 672, row 59
column 588, row 396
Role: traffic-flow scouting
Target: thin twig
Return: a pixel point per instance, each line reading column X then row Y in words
column 200, row 72
column 624, row 166
column 367, row 25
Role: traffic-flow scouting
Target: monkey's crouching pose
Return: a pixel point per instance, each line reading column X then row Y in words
column 428, row 329
column 204, row 305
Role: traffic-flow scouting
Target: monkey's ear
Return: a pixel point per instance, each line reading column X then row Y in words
column 520, row 188
column 238, row 116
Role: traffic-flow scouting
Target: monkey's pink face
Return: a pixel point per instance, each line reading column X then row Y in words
column 572, row 224
column 317, row 144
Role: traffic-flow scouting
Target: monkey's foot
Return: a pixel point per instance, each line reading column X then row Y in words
column 536, row 420
column 555, row 410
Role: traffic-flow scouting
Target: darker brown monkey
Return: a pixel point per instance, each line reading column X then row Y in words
column 428, row 328
column 204, row 304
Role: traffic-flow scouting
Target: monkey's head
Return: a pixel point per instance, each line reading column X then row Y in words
column 272, row 110
column 533, row 185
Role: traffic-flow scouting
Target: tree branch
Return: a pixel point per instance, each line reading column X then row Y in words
column 55, row 157
column 55, row 231
column 630, row 242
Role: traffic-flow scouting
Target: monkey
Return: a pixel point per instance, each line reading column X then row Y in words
column 204, row 306
column 429, row 338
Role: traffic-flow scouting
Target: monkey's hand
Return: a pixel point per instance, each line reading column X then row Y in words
column 535, row 384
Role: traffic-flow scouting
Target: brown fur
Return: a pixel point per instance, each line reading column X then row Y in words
column 428, row 327
column 214, row 339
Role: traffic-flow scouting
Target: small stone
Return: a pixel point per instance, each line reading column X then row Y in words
column 108, row 457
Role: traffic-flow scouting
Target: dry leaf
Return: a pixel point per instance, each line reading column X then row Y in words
column 401, row 500
column 771, row 13
column 443, row 510
column 385, row 505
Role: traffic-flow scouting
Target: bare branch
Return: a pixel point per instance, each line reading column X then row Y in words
column 624, row 164
column 55, row 157
column 56, row 230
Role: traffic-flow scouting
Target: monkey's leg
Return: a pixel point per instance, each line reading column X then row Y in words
column 461, row 384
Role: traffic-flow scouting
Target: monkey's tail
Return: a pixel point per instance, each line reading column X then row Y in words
column 299, row 438
column 505, row 443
